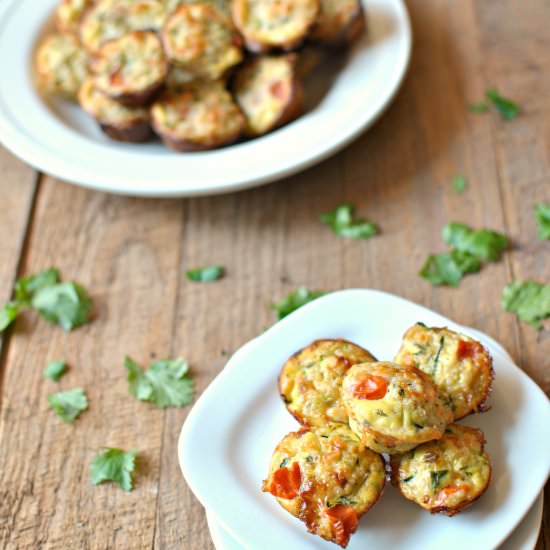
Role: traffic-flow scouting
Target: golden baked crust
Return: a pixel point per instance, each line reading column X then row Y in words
column 200, row 116
column 340, row 22
column 269, row 93
column 267, row 24
column 69, row 14
column 61, row 65
column 116, row 120
column 201, row 39
column 460, row 366
column 447, row 475
column 393, row 408
column 131, row 69
column 311, row 380
column 326, row 478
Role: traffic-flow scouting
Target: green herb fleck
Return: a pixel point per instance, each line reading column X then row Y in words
column 418, row 426
column 55, row 370
column 284, row 462
column 205, row 274
column 114, row 465
column 437, row 355
column 420, row 323
column 69, row 404
column 507, row 109
column 449, row 268
column 295, row 300
column 542, row 216
column 166, row 383
column 407, row 479
column 344, row 223
column 529, row 300
column 309, row 459
column 459, row 184
column 401, row 392
column 345, row 500
column 436, row 477
column 380, row 412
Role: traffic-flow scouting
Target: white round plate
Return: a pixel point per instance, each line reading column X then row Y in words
column 58, row 138
column 242, row 413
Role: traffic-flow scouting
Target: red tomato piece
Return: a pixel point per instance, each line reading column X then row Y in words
column 467, row 349
column 445, row 493
column 286, row 482
column 370, row 387
column 344, row 522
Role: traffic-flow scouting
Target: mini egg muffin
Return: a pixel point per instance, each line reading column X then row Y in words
column 61, row 65
column 222, row 5
column 447, row 475
column 111, row 19
column 393, row 408
column 310, row 381
column 269, row 93
column 131, row 69
column 69, row 14
column 341, row 22
column 268, row 24
column 460, row 366
column 326, row 478
column 201, row 116
column 119, row 122
column 202, row 40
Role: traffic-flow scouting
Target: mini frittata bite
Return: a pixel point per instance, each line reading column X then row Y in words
column 393, row 408
column 326, row 478
column 279, row 24
column 119, row 122
column 311, row 380
column 341, row 22
column 111, row 19
column 447, row 475
column 269, row 93
column 69, row 14
column 201, row 39
column 200, row 116
column 131, row 69
column 459, row 365
column 61, row 65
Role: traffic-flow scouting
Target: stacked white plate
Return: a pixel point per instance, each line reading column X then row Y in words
column 228, row 438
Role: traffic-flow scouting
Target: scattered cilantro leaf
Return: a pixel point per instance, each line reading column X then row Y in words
column 459, row 184
column 346, row 225
column 507, row 109
column 8, row 314
column 26, row 287
column 205, row 274
column 166, row 383
column 114, row 465
column 480, row 107
column 483, row 244
column 55, row 370
column 449, row 268
column 529, row 300
column 69, row 404
column 65, row 304
column 542, row 216
column 295, row 300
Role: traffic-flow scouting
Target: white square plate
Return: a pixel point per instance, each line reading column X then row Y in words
column 228, row 438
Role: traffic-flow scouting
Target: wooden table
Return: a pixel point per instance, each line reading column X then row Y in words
column 131, row 254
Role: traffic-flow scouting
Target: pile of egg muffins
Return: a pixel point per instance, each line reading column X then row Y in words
column 362, row 418
column 200, row 74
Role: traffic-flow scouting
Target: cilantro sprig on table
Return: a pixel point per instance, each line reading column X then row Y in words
column 542, row 217
column 343, row 222
column 529, row 300
column 506, row 108
column 166, row 383
column 205, row 274
column 470, row 248
column 294, row 301
column 65, row 304
column 114, row 465
column 459, row 183
column 69, row 404
column 55, row 370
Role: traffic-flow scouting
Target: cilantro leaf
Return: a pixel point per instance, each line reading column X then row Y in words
column 205, row 274
column 507, row 109
column 114, row 465
column 542, row 216
column 166, row 383
column 529, row 300
column 449, row 268
column 459, row 184
column 344, row 224
column 55, row 370
column 69, row 404
column 65, row 304
column 25, row 287
column 8, row 314
column 483, row 244
column 481, row 107
column 295, row 300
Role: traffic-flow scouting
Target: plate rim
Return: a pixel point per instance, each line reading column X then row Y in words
column 181, row 449
column 25, row 146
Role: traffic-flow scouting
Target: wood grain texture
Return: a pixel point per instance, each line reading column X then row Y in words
column 132, row 254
